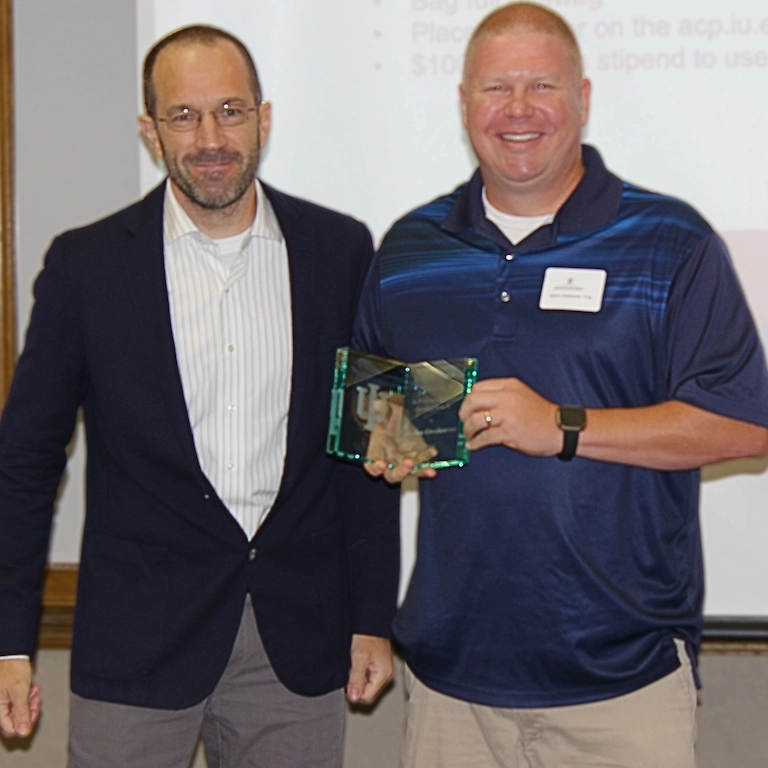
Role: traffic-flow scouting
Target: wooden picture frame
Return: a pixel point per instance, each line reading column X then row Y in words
column 60, row 583
column 7, row 228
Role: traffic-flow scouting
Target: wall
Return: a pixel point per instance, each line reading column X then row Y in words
column 76, row 154
column 76, row 69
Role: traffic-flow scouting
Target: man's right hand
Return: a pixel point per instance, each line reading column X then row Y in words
column 396, row 442
column 398, row 473
column 19, row 698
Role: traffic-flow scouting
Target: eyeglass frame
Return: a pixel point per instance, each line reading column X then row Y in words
column 201, row 114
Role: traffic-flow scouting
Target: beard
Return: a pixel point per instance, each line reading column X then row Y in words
column 206, row 192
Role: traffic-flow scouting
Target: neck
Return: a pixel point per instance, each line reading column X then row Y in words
column 220, row 222
column 528, row 200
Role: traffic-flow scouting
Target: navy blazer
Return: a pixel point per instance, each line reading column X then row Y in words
column 164, row 566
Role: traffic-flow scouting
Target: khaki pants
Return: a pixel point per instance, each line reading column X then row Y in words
column 654, row 727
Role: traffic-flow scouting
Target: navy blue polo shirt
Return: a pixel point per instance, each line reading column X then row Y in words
column 540, row 582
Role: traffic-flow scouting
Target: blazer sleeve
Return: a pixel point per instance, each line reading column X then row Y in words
column 371, row 515
column 49, row 384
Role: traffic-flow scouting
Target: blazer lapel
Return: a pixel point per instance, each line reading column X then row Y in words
column 145, row 270
column 145, row 274
column 298, row 229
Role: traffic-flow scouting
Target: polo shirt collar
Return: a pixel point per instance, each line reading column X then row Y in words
column 593, row 204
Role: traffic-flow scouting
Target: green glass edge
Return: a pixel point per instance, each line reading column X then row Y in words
column 462, row 458
column 337, row 400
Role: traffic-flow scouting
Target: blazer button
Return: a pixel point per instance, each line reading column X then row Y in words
column 252, row 553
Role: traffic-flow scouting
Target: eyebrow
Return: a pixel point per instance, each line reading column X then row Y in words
column 231, row 100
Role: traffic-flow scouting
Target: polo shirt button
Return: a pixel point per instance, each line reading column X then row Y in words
column 505, row 297
column 252, row 553
column 510, row 256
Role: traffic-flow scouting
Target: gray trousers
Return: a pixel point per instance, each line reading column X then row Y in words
column 249, row 721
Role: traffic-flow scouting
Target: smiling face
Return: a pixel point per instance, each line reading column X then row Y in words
column 524, row 103
column 211, row 168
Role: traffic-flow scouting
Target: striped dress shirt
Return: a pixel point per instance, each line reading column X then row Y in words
column 231, row 321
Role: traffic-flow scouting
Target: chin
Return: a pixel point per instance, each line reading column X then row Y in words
column 521, row 175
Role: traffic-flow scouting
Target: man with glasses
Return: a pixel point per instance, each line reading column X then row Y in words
column 230, row 570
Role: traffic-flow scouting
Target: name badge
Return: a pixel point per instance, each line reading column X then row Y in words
column 574, row 290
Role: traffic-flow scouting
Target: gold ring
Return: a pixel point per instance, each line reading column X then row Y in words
column 487, row 418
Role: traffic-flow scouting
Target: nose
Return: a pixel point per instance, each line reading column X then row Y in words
column 518, row 103
column 209, row 132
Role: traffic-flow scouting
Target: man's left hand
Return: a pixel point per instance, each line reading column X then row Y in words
column 669, row 436
column 371, row 669
column 508, row 412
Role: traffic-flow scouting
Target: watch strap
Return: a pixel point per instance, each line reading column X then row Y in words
column 570, row 443
column 571, row 419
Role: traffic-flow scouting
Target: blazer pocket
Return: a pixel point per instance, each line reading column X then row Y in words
column 121, row 607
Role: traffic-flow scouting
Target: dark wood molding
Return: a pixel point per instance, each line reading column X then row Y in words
column 7, row 237
column 59, row 597
column 738, row 635
column 60, row 590
column 734, row 648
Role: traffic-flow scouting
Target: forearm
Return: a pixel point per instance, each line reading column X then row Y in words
column 669, row 436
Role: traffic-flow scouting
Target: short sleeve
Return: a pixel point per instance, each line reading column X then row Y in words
column 714, row 357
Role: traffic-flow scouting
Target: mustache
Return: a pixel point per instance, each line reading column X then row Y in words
column 213, row 156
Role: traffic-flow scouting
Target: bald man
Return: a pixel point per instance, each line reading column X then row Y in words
column 555, row 609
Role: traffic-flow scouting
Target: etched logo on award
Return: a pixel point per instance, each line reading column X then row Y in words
column 388, row 410
column 371, row 405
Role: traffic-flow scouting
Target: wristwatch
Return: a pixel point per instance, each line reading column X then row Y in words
column 571, row 419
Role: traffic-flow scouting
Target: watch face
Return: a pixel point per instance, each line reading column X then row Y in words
column 571, row 417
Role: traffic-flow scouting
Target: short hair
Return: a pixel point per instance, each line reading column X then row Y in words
column 197, row 33
column 524, row 17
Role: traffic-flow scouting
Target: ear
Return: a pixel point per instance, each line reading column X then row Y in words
column 586, row 93
column 149, row 131
column 265, row 120
column 463, row 100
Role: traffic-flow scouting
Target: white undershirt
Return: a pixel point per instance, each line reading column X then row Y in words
column 230, row 306
column 515, row 228
column 229, row 247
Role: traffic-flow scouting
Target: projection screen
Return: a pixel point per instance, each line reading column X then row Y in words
column 366, row 120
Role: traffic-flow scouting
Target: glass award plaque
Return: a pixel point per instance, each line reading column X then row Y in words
column 390, row 410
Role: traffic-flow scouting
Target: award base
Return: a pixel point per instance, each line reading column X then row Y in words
column 388, row 410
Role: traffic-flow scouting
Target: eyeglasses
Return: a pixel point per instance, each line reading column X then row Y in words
column 226, row 116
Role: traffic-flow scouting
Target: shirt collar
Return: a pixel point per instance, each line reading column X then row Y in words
column 593, row 204
column 177, row 223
